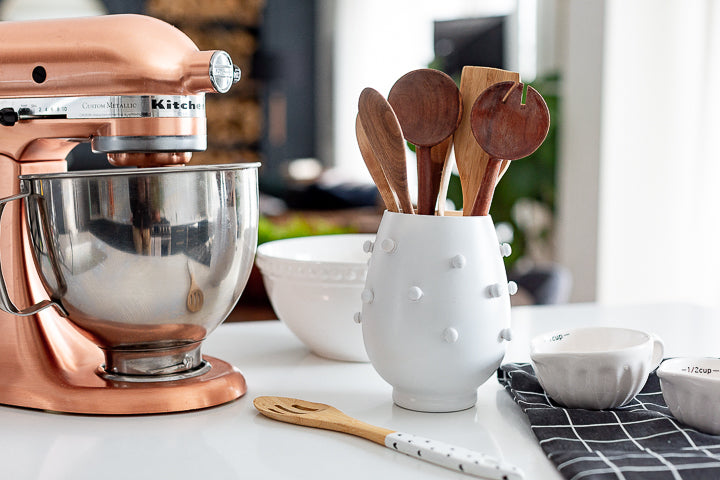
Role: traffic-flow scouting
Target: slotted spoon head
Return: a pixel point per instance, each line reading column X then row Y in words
column 293, row 410
column 318, row 415
column 506, row 128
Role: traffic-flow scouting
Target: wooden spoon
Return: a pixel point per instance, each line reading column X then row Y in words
column 470, row 158
column 195, row 296
column 385, row 136
column 375, row 168
column 428, row 106
column 319, row 415
column 506, row 129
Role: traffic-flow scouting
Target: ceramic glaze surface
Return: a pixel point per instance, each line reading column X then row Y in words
column 691, row 388
column 435, row 308
column 594, row 368
column 314, row 285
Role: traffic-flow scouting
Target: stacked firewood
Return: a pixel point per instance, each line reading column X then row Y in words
column 235, row 119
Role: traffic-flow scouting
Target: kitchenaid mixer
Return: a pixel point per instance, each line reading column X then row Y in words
column 141, row 262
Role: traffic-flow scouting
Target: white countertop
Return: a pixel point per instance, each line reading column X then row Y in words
column 233, row 441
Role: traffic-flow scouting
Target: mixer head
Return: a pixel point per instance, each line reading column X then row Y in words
column 133, row 86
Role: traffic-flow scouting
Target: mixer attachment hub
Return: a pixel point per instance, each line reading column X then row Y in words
column 153, row 364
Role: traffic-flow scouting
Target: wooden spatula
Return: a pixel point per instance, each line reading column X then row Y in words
column 375, row 168
column 383, row 131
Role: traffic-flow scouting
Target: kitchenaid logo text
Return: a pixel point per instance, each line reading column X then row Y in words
column 176, row 105
column 143, row 106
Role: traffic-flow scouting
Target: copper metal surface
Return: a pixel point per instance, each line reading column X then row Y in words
column 46, row 362
column 107, row 55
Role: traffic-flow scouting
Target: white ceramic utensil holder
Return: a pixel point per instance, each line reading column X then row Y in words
column 436, row 308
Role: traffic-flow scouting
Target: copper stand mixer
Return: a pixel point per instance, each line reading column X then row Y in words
column 132, row 86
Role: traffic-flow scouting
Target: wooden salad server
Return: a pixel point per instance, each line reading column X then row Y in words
column 470, row 158
column 507, row 130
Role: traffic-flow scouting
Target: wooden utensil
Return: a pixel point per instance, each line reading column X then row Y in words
column 375, row 168
column 506, row 129
column 319, row 415
column 428, row 106
column 385, row 136
column 470, row 158
column 440, row 153
column 195, row 296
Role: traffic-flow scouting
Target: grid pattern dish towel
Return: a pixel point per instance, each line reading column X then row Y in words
column 641, row 440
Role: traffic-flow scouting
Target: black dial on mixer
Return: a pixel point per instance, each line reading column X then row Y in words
column 8, row 117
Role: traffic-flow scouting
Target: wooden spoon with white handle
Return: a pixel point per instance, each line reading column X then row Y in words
column 319, row 415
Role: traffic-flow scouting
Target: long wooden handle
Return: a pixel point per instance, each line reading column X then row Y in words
column 427, row 193
column 441, row 154
column 481, row 205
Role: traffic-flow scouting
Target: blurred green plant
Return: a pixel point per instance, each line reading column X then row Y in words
column 297, row 226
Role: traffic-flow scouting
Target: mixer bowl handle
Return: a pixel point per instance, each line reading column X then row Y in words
column 5, row 303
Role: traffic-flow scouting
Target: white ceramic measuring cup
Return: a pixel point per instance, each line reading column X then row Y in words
column 436, row 308
column 595, row 368
column 691, row 388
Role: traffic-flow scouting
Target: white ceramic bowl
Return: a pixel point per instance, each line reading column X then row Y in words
column 314, row 284
column 691, row 388
column 595, row 368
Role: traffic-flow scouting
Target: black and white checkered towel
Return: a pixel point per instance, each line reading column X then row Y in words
column 641, row 440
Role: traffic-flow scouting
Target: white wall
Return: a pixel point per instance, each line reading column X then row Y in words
column 578, row 198
column 639, row 199
column 41, row 9
column 660, row 166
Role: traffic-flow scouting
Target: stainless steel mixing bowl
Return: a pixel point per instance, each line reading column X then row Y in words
column 147, row 262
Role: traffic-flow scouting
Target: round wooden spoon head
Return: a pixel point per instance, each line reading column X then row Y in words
column 428, row 106
column 506, row 128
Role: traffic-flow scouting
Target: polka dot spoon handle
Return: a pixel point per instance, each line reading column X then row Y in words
column 319, row 415
column 454, row 458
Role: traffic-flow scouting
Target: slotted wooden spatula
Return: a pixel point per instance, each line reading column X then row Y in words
column 319, row 415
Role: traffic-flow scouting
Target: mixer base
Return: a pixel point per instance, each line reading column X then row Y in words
column 96, row 396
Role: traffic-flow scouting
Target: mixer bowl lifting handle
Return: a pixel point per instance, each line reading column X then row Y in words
column 5, row 303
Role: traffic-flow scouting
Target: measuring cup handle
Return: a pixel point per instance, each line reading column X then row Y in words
column 5, row 303
column 658, row 350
